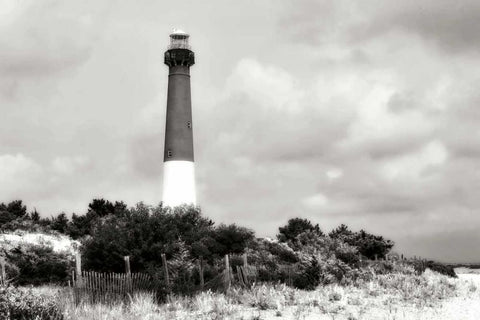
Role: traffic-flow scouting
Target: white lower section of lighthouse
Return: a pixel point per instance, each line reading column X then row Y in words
column 179, row 183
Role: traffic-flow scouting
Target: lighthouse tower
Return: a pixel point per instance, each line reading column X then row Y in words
column 179, row 170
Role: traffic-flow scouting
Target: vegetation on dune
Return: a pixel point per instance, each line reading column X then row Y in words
column 338, row 269
column 28, row 304
column 30, row 264
column 303, row 256
column 385, row 296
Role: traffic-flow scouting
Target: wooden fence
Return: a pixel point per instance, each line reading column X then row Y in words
column 96, row 287
column 101, row 287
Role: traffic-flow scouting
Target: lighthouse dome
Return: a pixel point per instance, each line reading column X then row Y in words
column 178, row 32
column 179, row 40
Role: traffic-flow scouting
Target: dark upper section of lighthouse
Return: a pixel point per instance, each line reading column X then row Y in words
column 179, row 52
column 179, row 125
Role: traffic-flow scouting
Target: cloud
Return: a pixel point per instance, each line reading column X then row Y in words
column 19, row 175
column 69, row 165
column 417, row 165
column 40, row 41
column 267, row 86
column 361, row 113
column 334, row 173
column 316, row 201
column 451, row 27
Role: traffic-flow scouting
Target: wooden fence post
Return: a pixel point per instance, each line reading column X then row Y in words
column 165, row 270
column 128, row 275
column 3, row 275
column 376, row 257
column 245, row 269
column 227, row 273
column 78, row 267
column 127, row 264
column 200, row 270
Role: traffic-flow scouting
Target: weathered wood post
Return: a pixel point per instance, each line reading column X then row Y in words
column 376, row 257
column 244, row 270
column 128, row 275
column 3, row 275
column 227, row 273
column 78, row 268
column 200, row 270
column 165, row 270
column 127, row 264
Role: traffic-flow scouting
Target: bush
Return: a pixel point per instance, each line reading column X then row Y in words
column 275, row 261
column 308, row 275
column 382, row 267
column 36, row 265
column 420, row 267
column 296, row 226
column 231, row 239
column 369, row 245
column 17, row 304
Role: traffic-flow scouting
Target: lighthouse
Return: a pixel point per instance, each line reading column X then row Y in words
column 178, row 161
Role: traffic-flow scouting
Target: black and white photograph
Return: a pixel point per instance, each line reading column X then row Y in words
column 239, row 160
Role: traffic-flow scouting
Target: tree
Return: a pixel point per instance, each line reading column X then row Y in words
column 119, row 208
column 17, row 208
column 369, row 245
column 340, row 232
column 104, row 251
column 6, row 217
column 101, row 207
column 296, row 226
column 35, row 216
column 12, row 214
column 145, row 233
column 60, row 223
column 231, row 239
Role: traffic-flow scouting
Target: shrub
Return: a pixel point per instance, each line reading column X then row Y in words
column 420, row 266
column 296, row 226
column 144, row 233
column 272, row 259
column 369, row 245
column 308, row 275
column 25, row 304
column 382, row 267
column 441, row 268
column 231, row 239
column 36, row 264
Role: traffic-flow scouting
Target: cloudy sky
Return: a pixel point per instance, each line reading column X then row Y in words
column 358, row 112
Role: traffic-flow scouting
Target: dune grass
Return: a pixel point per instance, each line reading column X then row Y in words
column 391, row 296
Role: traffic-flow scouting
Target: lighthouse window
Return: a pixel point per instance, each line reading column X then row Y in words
column 169, row 153
column 189, row 124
